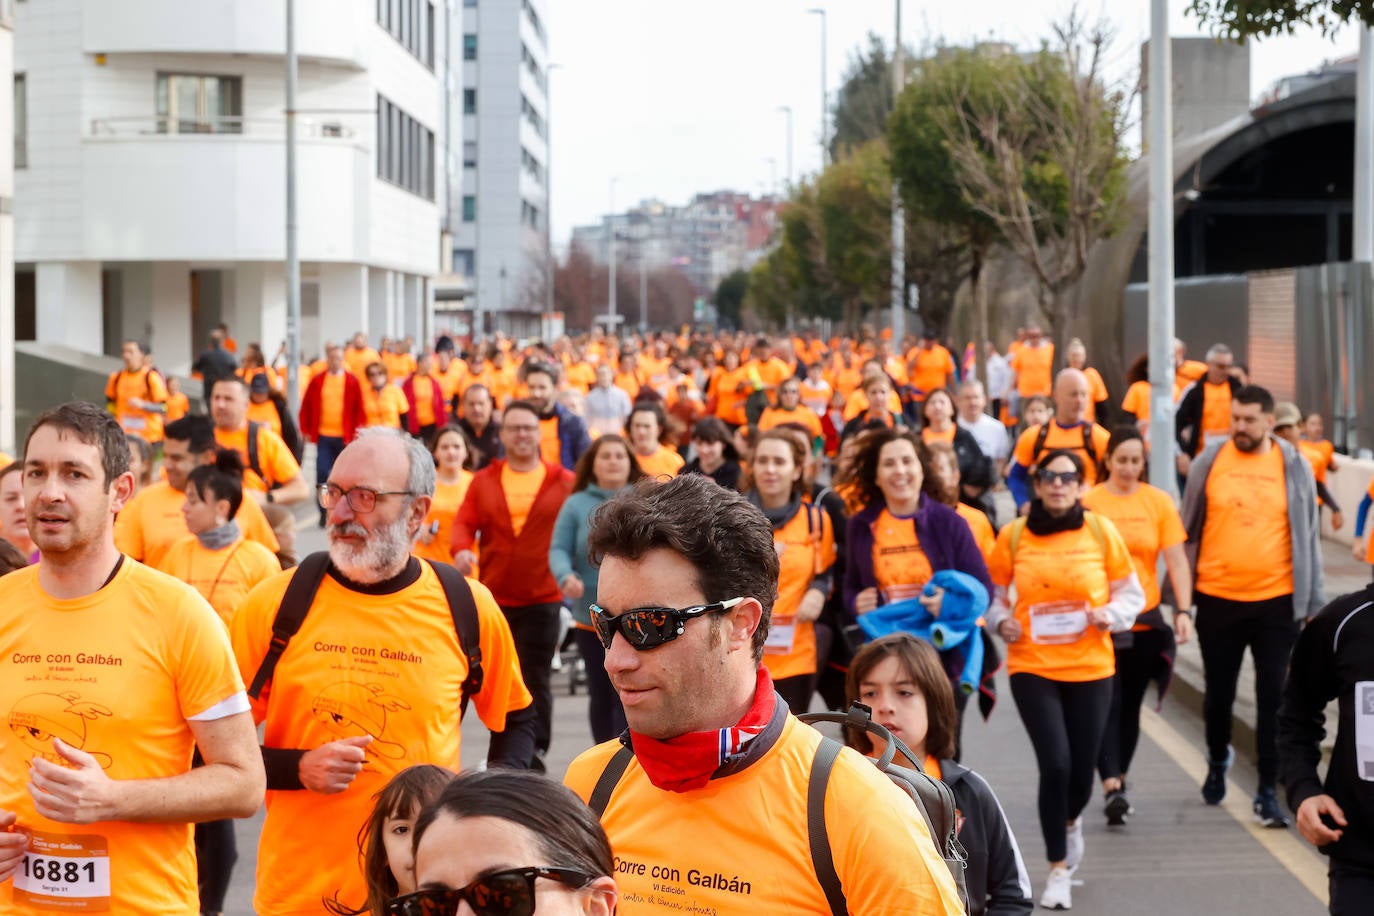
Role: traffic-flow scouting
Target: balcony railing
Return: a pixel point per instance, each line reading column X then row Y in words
column 148, row 126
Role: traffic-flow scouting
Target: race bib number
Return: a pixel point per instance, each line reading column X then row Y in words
column 1058, row 622
column 1364, row 730
column 782, row 634
column 134, row 424
column 68, row 872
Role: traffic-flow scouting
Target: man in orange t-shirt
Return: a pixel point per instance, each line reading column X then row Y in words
column 930, row 365
column 137, row 395
column 1250, row 510
column 1069, row 429
column 1204, row 412
column 1032, row 364
column 370, row 684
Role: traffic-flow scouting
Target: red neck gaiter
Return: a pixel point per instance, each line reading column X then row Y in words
column 686, row 762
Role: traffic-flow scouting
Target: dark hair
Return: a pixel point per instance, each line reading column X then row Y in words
column 1040, row 399
column 713, row 429
column 922, row 664
column 11, row 558
column 1139, row 371
column 371, row 367
column 520, row 404
column 474, row 453
column 585, row 472
column 566, row 831
column 785, row 433
column 1254, row 394
column 725, row 538
column 1120, row 436
column 660, row 417
column 862, row 472
column 222, row 480
column 230, row 380
column 91, row 426
column 145, row 452
column 1070, row 454
column 414, row 787
column 535, row 366
column 195, row 429
column 931, row 485
column 930, row 396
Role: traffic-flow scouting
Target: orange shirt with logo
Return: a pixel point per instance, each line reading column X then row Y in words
column 899, row 564
column 389, row 666
column 118, row 674
column 145, row 385
column 1065, row 566
column 806, row 548
column 152, row 522
column 1148, row 522
column 222, row 577
column 1246, row 552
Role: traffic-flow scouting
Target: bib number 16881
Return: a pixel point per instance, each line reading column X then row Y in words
column 58, row 870
column 65, row 872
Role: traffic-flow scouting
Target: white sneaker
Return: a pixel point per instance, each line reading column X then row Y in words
column 1074, row 849
column 1058, row 893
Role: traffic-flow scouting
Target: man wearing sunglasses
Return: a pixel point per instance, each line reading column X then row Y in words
column 371, row 681
column 707, row 807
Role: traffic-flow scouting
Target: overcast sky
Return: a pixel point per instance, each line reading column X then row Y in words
column 675, row 98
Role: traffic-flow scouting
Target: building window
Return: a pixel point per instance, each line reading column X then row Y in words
column 469, row 101
column 469, row 153
column 532, row 165
column 534, row 21
column 405, row 150
column 411, row 22
column 189, row 103
column 529, row 214
column 469, row 46
column 532, row 115
column 464, row 260
column 532, row 65
column 21, row 121
column 469, row 208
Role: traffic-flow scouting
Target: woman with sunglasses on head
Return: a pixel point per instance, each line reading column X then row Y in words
column 900, row 678
column 902, row 537
column 804, row 537
column 509, row 843
column 1075, row 585
column 604, row 469
column 1150, row 525
column 454, row 458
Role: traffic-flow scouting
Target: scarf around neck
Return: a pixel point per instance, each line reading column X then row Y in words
column 779, row 516
column 1039, row 520
column 689, row 761
column 221, row 537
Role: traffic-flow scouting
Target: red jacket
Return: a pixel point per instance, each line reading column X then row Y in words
column 440, row 408
column 516, row 569
column 354, row 413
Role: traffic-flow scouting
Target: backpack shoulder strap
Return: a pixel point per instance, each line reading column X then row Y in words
column 1088, row 447
column 1040, row 438
column 463, row 606
column 608, row 780
column 822, row 859
column 295, row 604
column 253, row 463
column 1018, row 525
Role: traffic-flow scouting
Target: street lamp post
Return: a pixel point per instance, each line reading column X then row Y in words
column 293, row 261
column 550, row 266
column 825, row 97
column 1161, row 234
column 787, row 110
column 898, row 216
column 610, row 257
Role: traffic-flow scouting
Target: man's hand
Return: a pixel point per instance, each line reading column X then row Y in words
column 464, row 561
column 865, row 601
column 331, row 768
column 1337, row 521
column 571, row 587
column 810, row 607
column 1009, row 629
column 1310, row 820
column 1183, row 628
column 13, row 842
column 81, row 794
column 1357, row 549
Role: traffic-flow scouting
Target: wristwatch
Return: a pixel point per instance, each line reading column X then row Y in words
column 270, row 497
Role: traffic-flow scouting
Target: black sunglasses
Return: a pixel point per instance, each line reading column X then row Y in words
column 1067, row 478
column 502, row 893
column 650, row 627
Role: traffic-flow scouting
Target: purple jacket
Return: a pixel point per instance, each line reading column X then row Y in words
column 943, row 535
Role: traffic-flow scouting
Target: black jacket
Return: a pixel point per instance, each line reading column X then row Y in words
column 998, row 884
column 1333, row 660
column 975, row 470
column 214, row 364
column 488, row 444
column 1188, row 416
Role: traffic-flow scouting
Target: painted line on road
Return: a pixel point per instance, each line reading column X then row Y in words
column 1287, row 846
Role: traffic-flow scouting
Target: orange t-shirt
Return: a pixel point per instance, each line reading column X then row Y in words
column 1369, row 541
column 146, row 385
column 1246, row 552
column 1191, row 371
column 817, row 397
column 663, row 463
column 1034, row 367
column 1148, row 522
column 846, row 381
column 266, row 414
column 424, row 400
column 1216, row 414
column 274, row 457
column 978, row 523
column 1097, row 391
column 222, row 577
column 389, row 666
column 729, row 401
column 1070, row 439
column 178, row 406
column 521, row 489
column 398, row 365
column 1317, row 458
column 581, row 376
column 442, row 510
column 929, row 435
column 806, row 548
column 384, row 408
column 899, row 564
column 930, row 369
column 358, row 360
column 550, row 449
column 776, row 416
column 331, row 406
column 451, row 382
column 858, row 403
column 1137, row 401
column 1065, row 566
column 152, row 522
column 118, row 674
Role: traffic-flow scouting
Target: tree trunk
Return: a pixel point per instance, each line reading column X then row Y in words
column 979, row 290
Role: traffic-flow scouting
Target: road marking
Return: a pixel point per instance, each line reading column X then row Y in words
column 1287, row 846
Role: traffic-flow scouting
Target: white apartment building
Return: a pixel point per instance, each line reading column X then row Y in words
column 150, row 190
column 501, row 229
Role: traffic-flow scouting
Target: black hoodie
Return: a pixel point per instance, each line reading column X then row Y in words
column 998, row 884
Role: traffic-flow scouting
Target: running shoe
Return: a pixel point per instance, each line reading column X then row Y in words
column 1074, row 852
column 1214, row 787
column 1058, row 893
column 1267, row 810
column 1117, row 807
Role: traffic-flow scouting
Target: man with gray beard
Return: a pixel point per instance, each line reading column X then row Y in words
column 371, row 681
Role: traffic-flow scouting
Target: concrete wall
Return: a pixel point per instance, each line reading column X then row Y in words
column 1211, row 84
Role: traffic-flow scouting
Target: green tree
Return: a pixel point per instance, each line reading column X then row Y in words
column 854, row 207
column 730, row 297
column 1257, row 18
column 864, row 102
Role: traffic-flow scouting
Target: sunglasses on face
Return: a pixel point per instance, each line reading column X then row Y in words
column 1049, row 478
column 650, row 627
column 502, row 893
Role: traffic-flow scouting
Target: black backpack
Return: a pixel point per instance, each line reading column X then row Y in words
column 300, row 593
column 933, row 799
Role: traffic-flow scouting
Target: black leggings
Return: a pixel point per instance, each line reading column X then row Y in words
column 1135, row 665
column 604, row 712
column 1065, row 721
column 1351, row 888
